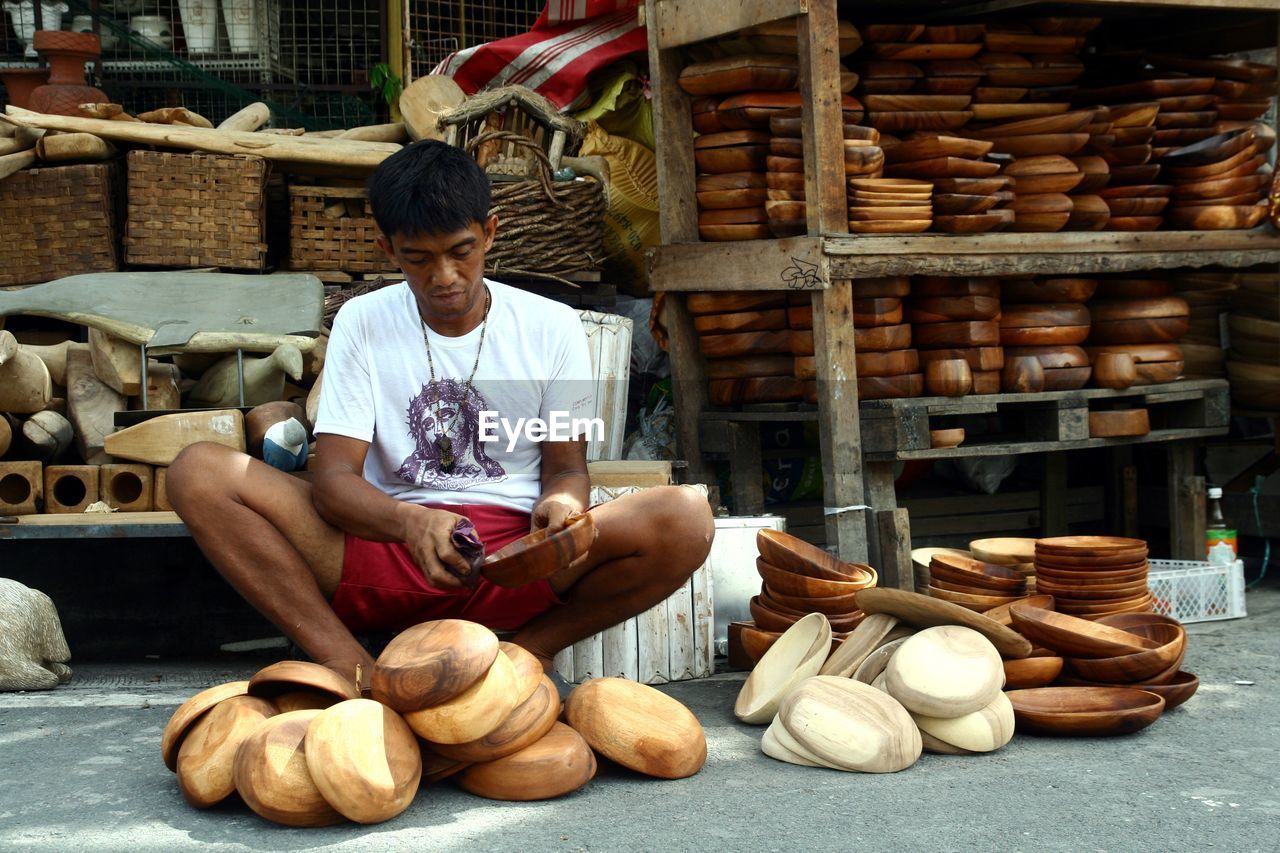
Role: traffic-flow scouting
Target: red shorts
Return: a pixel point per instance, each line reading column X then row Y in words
column 382, row 589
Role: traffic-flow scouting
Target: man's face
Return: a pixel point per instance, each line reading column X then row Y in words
column 444, row 271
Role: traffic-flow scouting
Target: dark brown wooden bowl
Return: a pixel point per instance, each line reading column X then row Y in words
column 1140, row 666
column 541, row 554
column 793, row 554
column 793, row 583
column 838, row 605
column 1181, row 687
column 1074, row 637
column 1031, row 672
column 1084, row 711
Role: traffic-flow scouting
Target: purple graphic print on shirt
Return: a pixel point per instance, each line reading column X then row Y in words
column 431, row 412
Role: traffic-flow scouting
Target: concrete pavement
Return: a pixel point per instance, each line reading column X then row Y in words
column 80, row 770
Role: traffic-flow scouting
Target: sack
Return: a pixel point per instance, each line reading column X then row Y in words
column 631, row 207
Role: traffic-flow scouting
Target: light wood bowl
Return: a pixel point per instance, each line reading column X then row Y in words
column 1004, row 551
column 272, row 775
column 797, row 655
column 188, row 712
column 1074, row 637
column 288, row 676
column 557, row 764
column 637, row 726
column 527, row 723
column 984, row 730
column 206, row 759
column 849, row 726
column 1031, row 672
column 364, row 760
column 541, row 554
column 791, row 583
column 473, row 713
column 922, row 611
column 858, row 644
column 1084, row 711
column 945, row 671
column 433, row 662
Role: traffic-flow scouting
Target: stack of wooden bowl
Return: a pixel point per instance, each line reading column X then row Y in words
column 955, row 327
column 1254, row 360
column 1131, row 174
column 1241, row 91
column 1156, row 668
column 784, row 178
column 1040, row 356
column 889, row 205
column 746, row 342
column 1219, row 182
column 1012, row 552
column 1027, row 65
column 1143, row 324
column 916, row 77
column 1041, row 203
column 1094, row 575
column 974, row 584
column 1208, row 295
column 799, row 579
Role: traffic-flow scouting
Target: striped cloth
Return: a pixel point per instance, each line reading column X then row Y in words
column 570, row 40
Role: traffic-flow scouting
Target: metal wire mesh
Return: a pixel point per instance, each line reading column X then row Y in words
column 436, row 28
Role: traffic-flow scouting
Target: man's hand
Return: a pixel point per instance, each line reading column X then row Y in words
column 427, row 534
column 551, row 514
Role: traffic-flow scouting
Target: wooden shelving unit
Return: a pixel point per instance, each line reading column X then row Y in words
column 862, row 518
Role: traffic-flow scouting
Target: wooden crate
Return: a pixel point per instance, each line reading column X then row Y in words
column 59, row 221
column 331, row 228
column 196, row 210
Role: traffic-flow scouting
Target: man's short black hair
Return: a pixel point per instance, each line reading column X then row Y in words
column 428, row 187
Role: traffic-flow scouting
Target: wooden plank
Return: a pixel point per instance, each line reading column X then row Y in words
column 895, row 567
column 654, row 645
column 688, row 385
column 680, row 643
column 1186, row 503
column 746, row 488
column 823, row 123
column 790, row 263
column 673, row 23
column 1019, row 448
column 704, row 617
column 621, row 650
column 1001, row 5
column 629, row 472
column 97, row 525
column 588, row 658
column 1053, row 493
column 673, row 135
column 782, row 415
column 881, row 496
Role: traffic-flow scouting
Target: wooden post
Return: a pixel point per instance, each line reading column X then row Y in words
column 70, row 488
column 896, row 569
column 621, row 647
column 881, row 496
column 21, row 488
column 1053, row 495
column 127, row 487
column 1186, row 503
column 745, row 466
column 680, row 632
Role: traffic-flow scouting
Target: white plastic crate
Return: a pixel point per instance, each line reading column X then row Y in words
column 1194, row 591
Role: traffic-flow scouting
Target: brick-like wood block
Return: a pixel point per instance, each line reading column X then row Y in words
column 70, row 488
column 128, row 487
column 161, row 501
column 21, row 488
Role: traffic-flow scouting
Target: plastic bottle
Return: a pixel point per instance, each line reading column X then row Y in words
column 1220, row 546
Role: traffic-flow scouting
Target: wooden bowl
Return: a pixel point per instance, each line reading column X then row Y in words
column 433, row 662
column 1074, row 637
column 921, row 558
column 206, row 758
column 364, row 760
column 792, row 554
column 1092, row 611
column 1084, row 711
column 968, row 568
column 1004, row 551
column 1088, row 546
column 541, row 554
column 291, row 675
column 1119, row 423
column 1179, row 689
column 188, row 712
column 1140, row 666
column 791, row 583
column 273, row 777
column 797, row 655
column 304, row 700
column 1001, row 614
column 473, row 713
column 846, row 725
column 948, row 377
column 922, row 611
column 768, row 619
column 1114, row 370
column 1217, row 217
column 756, row 641
column 1022, row 375
column 984, row 730
column 975, row 602
column 527, row 723
column 638, row 727
column 1044, row 336
column 838, row 605
column 1086, row 579
column 945, row 671
column 557, row 764
column 946, row 437
column 1133, row 557
column 1031, row 672
column 962, row 333
column 1048, row 290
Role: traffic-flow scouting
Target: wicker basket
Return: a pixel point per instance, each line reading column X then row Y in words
column 59, row 221
column 197, row 210
column 331, row 228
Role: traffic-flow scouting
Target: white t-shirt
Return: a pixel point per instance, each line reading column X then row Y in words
column 377, row 388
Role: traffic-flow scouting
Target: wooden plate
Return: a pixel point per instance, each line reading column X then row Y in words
column 1041, row 144
column 924, row 612
column 638, row 727
column 1204, row 118
column 730, row 233
column 1136, row 206
column 1075, row 637
column 959, row 204
column 1062, row 123
column 879, row 214
column 727, row 199
column 873, row 33
column 1043, row 336
column 893, row 122
column 890, row 286
column 727, row 303
column 1179, row 689
column 1134, row 135
column 475, row 712
column 909, row 103
column 973, row 186
column 759, row 389
column 1134, row 223
column 1237, row 165
column 977, row 333
column 740, row 74
column 1132, row 308
column 889, row 185
column 730, row 181
column 1084, row 711
column 272, row 775
column 364, row 760
column 1048, row 290
column 743, row 322
column 891, row 226
column 944, row 167
column 1217, row 217
column 923, row 50
column 733, row 216
column 935, row 85
column 1127, row 175
column 1041, row 314
column 932, row 147
column 1038, row 77
column 1215, row 149
column 1179, row 136
column 1066, row 378
column 939, row 309
column 955, row 286
column 558, row 764
column 1088, row 546
column 793, row 554
column 740, row 158
column 1144, row 330
column 890, row 387
column 1020, row 111
column 973, row 223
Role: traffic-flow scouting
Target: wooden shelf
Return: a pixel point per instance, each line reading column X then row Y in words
column 115, row 525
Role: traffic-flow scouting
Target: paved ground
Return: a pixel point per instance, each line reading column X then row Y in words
column 80, row 769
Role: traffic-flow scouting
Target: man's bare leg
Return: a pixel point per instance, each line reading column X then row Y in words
column 650, row 543
column 259, row 529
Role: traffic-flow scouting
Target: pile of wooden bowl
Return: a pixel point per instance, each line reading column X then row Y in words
column 970, row 197
column 1208, row 296
column 799, row 579
column 302, row 749
column 957, row 331
column 1144, row 323
column 747, row 344
column 889, row 205
column 1254, row 362
column 974, row 584
column 1241, row 90
column 1219, row 182
column 915, row 77
column 1012, row 552
column 1039, row 355
column 785, row 173
column 1156, row 667
column 1094, row 575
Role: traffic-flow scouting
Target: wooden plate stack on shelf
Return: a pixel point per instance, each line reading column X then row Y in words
column 1126, row 149
column 746, row 342
column 1241, row 92
column 916, row 77
column 1029, row 66
column 1089, row 576
column 887, row 365
column 1208, row 294
column 1056, row 346
column 957, row 319
column 1254, row 360
column 1143, row 322
column 1041, row 202
column 967, row 188
column 889, row 205
column 1219, row 183
column 784, row 176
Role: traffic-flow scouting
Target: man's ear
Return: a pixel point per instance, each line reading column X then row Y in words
column 385, row 245
column 490, row 229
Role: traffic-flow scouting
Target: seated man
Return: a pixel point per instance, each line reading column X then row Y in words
column 365, row 544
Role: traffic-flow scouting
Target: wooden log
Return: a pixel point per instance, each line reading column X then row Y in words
column 74, row 146
column 21, row 488
column 25, row 384
column 110, row 112
column 46, row 435
column 70, row 488
column 54, row 357
column 159, row 440
column 127, row 487
column 10, row 163
column 247, row 119
column 91, row 404
column 160, row 493
column 14, row 144
column 116, row 362
column 394, row 132
column 175, row 115
column 351, row 153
